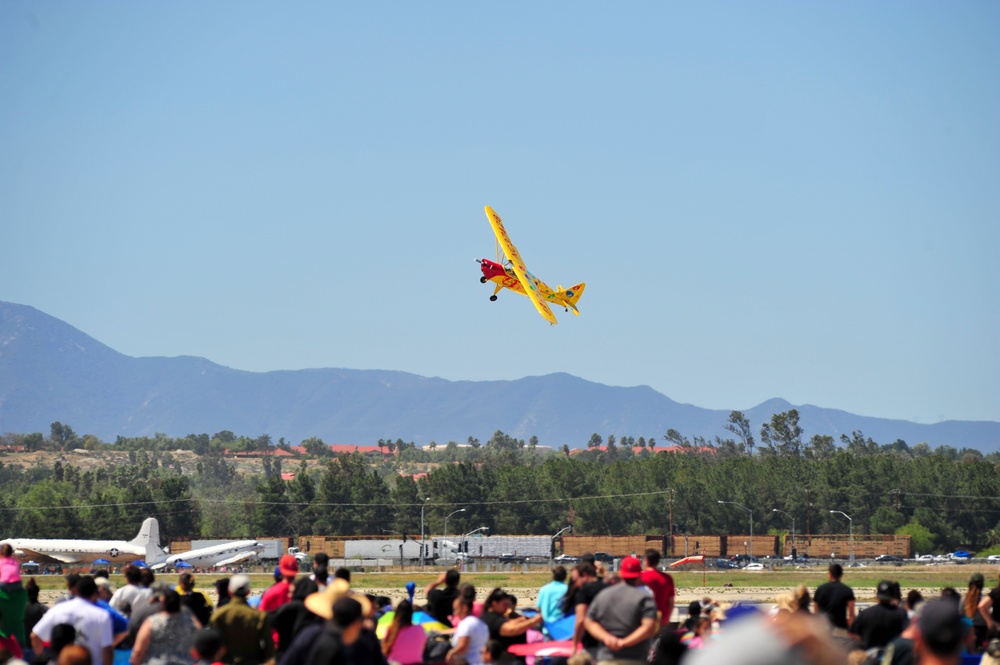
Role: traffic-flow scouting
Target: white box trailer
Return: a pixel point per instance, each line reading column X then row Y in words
column 384, row 549
column 494, row 546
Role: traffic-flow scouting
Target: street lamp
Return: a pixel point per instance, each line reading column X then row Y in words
column 482, row 528
column 733, row 503
column 422, row 506
column 775, row 510
column 552, row 540
column 851, row 527
column 460, row 510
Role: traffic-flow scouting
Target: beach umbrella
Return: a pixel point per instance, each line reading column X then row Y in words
column 141, row 564
column 560, row 649
column 101, row 562
column 429, row 623
column 182, row 564
column 384, row 621
column 562, row 629
column 422, row 619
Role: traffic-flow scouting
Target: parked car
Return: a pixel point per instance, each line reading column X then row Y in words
column 604, row 557
column 509, row 557
column 961, row 554
column 888, row 558
column 726, row 564
column 744, row 558
column 924, row 557
column 566, row 558
column 993, row 557
column 754, row 566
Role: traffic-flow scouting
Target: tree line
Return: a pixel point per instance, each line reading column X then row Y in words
column 944, row 498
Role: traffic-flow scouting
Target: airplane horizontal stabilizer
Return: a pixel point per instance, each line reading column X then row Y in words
column 242, row 556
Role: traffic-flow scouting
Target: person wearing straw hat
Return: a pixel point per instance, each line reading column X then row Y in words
column 343, row 638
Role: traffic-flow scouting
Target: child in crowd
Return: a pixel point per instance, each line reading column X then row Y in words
column 208, row 648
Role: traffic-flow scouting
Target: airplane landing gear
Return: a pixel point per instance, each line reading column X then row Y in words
column 493, row 298
column 483, row 280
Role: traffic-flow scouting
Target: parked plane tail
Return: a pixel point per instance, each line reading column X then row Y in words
column 149, row 537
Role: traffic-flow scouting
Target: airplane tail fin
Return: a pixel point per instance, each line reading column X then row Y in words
column 149, row 538
column 572, row 295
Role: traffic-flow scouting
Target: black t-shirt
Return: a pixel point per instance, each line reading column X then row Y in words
column 288, row 620
column 902, row 651
column 494, row 621
column 585, row 596
column 994, row 595
column 199, row 606
column 328, row 648
column 33, row 613
column 366, row 649
column 879, row 625
column 440, row 603
column 832, row 599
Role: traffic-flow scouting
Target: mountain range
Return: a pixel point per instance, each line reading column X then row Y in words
column 50, row 371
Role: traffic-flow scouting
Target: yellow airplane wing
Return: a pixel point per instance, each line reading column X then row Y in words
column 528, row 281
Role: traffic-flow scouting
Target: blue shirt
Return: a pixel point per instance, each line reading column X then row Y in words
column 550, row 599
column 119, row 624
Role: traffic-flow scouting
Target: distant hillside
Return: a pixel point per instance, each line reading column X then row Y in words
column 51, row 371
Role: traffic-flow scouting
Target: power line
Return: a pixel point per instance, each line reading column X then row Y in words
column 320, row 504
column 499, row 502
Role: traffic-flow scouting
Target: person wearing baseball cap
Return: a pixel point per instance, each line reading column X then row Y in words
column 281, row 592
column 940, row 632
column 246, row 632
column 623, row 617
column 881, row 623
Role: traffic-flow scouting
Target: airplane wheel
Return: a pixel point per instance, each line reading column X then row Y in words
column 482, row 280
column 493, row 298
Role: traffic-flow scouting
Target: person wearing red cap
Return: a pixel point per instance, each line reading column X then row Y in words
column 623, row 617
column 281, row 592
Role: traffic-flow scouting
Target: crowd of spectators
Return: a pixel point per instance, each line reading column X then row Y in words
column 584, row 615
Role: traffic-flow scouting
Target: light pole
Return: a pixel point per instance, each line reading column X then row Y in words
column 460, row 510
column 553, row 540
column 466, row 536
column 775, row 510
column 422, row 506
column 733, row 503
column 850, row 523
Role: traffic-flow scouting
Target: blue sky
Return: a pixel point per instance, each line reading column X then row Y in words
column 773, row 199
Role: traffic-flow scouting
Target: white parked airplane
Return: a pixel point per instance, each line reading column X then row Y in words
column 145, row 546
column 224, row 554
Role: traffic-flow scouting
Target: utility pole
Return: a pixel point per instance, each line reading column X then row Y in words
column 670, row 537
column 807, row 516
column 422, row 550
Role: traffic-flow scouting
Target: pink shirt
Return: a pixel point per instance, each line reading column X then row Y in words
column 10, row 570
column 409, row 646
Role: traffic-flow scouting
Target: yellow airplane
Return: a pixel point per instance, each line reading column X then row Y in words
column 512, row 274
